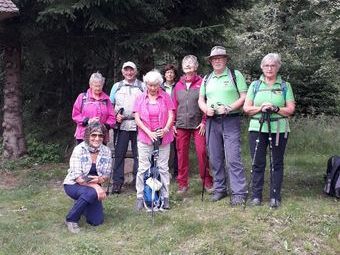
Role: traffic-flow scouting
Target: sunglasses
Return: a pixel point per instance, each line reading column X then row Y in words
column 97, row 135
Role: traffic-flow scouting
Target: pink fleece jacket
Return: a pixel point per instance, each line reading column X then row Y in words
column 89, row 108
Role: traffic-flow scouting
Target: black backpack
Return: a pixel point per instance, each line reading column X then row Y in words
column 332, row 178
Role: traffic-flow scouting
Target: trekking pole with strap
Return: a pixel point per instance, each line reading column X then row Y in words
column 121, row 110
column 262, row 119
column 207, row 161
column 271, row 156
column 155, row 175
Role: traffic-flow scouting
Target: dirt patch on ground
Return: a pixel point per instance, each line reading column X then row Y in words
column 8, row 181
column 51, row 173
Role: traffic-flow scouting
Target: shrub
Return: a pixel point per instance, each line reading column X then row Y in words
column 43, row 152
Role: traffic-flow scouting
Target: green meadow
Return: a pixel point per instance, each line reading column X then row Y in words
column 33, row 206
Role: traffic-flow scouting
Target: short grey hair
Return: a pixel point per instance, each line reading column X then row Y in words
column 97, row 77
column 192, row 58
column 153, row 77
column 271, row 57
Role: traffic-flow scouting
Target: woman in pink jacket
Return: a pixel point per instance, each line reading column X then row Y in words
column 154, row 118
column 93, row 106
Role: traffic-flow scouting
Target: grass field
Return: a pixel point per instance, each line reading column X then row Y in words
column 33, row 206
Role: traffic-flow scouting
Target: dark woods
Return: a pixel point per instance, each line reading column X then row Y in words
column 63, row 42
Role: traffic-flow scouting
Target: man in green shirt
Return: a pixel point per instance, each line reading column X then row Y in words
column 222, row 94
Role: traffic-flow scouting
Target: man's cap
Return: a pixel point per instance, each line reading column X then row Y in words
column 218, row 51
column 130, row 64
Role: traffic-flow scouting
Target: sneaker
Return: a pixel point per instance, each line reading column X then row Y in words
column 166, row 204
column 116, row 188
column 274, row 203
column 237, row 200
column 182, row 191
column 255, row 202
column 218, row 196
column 139, row 204
column 209, row 190
column 73, row 227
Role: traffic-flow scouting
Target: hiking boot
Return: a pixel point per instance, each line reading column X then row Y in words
column 73, row 227
column 166, row 204
column 274, row 203
column 139, row 204
column 116, row 188
column 237, row 200
column 218, row 196
column 255, row 202
column 182, row 191
column 209, row 190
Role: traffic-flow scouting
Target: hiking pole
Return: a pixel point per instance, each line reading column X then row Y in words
column 154, row 177
column 257, row 141
column 207, row 161
column 271, row 156
column 120, row 111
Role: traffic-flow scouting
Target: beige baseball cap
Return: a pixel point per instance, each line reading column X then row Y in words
column 129, row 64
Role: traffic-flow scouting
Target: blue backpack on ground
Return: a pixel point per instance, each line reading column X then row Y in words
column 332, row 178
column 152, row 184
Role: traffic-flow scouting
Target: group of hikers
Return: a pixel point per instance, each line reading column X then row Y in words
column 169, row 112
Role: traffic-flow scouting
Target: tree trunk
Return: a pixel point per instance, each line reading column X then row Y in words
column 14, row 144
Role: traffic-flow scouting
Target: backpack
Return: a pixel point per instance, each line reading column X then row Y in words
column 332, row 178
column 283, row 88
column 153, row 199
column 139, row 85
column 84, row 100
column 231, row 72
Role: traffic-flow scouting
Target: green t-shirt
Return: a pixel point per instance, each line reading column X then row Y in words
column 221, row 89
column 273, row 95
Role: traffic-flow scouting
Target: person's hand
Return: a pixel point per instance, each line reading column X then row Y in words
column 201, row 129
column 175, row 130
column 94, row 119
column 228, row 109
column 275, row 108
column 94, row 179
column 210, row 111
column 153, row 136
column 160, row 132
column 266, row 107
column 83, row 181
column 220, row 110
column 80, row 180
column 101, row 194
column 119, row 118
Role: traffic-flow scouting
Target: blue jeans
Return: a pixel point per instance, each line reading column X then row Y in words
column 86, row 203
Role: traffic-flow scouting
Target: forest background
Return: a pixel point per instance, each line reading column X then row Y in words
column 63, row 42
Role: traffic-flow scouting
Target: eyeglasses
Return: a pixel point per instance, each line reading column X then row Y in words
column 218, row 58
column 97, row 135
column 269, row 66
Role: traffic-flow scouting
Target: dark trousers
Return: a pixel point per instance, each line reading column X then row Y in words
column 173, row 160
column 86, row 203
column 260, row 163
column 123, row 138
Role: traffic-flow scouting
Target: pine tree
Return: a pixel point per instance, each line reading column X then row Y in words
column 304, row 33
